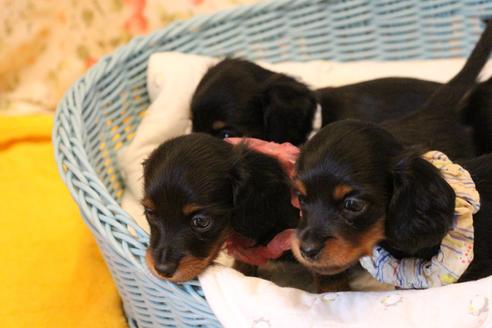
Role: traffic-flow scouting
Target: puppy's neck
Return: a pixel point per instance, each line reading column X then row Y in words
column 424, row 253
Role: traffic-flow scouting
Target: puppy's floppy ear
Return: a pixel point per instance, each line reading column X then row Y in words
column 239, row 175
column 289, row 107
column 243, row 196
column 261, row 196
column 421, row 209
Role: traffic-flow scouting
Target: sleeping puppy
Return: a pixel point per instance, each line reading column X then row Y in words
column 361, row 184
column 200, row 191
column 237, row 98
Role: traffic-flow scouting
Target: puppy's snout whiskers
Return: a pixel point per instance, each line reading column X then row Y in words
column 311, row 244
column 310, row 250
column 165, row 261
column 167, row 269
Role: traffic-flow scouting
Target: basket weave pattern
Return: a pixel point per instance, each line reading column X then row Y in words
column 101, row 111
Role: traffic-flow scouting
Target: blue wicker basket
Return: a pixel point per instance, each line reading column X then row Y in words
column 101, row 111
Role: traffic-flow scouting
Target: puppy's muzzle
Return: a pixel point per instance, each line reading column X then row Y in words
column 310, row 250
column 311, row 244
column 166, row 269
column 162, row 262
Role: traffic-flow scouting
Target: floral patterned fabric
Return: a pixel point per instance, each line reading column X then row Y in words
column 46, row 45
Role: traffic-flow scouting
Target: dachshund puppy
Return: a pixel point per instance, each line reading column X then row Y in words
column 237, row 98
column 200, row 191
column 360, row 185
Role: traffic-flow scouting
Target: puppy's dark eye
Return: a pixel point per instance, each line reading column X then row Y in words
column 201, row 222
column 228, row 133
column 354, row 205
column 301, row 197
column 149, row 214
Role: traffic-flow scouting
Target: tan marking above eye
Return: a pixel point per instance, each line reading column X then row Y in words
column 147, row 203
column 190, row 208
column 341, row 191
column 217, row 125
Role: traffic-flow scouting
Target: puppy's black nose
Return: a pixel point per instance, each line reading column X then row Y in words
column 310, row 250
column 167, row 269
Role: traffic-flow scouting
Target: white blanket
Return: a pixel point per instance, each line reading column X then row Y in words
column 240, row 301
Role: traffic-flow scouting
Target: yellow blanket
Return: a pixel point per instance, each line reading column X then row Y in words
column 51, row 272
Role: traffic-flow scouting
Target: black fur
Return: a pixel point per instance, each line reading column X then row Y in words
column 255, row 102
column 481, row 171
column 252, row 102
column 420, row 210
column 478, row 115
column 374, row 100
column 234, row 187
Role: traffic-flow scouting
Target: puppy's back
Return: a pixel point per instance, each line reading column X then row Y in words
column 453, row 92
column 437, row 125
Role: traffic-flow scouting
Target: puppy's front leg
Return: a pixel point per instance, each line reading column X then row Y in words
column 334, row 283
column 245, row 268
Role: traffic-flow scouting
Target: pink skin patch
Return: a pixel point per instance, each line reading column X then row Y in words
column 244, row 249
column 286, row 154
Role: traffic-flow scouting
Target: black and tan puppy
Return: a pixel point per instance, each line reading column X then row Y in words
column 198, row 190
column 361, row 184
column 237, row 98
column 360, row 187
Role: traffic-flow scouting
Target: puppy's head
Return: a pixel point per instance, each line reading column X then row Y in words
column 188, row 203
column 358, row 187
column 237, row 98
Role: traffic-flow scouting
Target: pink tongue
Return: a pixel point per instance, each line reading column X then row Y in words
column 279, row 244
column 261, row 254
column 286, row 154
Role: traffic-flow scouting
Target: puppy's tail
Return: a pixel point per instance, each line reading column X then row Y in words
column 450, row 95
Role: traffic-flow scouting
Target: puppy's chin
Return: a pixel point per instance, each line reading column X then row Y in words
column 322, row 268
column 188, row 269
column 330, row 270
column 328, row 263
